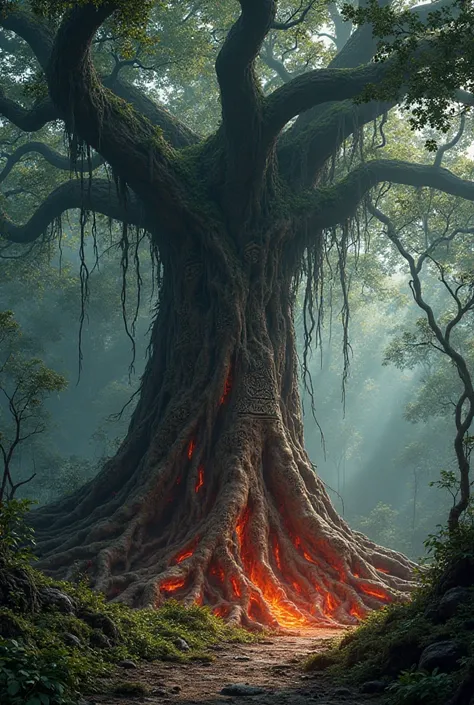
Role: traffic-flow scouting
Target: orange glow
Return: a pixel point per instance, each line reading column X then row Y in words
column 220, row 611
column 298, row 542
column 330, row 603
column 172, row 584
column 382, row 570
column 356, row 612
column 191, row 447
column 187, row 553
column 236, row 587
column 200, row 480
column 308, row 557
column 375, row 592
column 218, row 573
column 296, row 586
column 241, row 524
column 277, row 555
column 227, row 387
column 356, row 575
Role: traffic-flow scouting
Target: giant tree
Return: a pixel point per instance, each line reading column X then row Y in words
column 211, row 497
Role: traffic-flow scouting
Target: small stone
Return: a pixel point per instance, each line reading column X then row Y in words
column 242, row 658
column 443, row 655
column 241, row 690
column 181, row 644
column 52, row 597
column 342, row 692
column 100, row 621
column 176, row 689
column 99, row 640
column 160, row 692
column 127, row 663
column 373, row 687
column 451, row 601
column 72, row 640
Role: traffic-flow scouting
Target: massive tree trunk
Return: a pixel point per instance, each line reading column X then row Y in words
column 212, row 498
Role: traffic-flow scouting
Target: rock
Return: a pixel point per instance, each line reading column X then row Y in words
column 242, row 658
column 451, row 600
column 159, row 692
column 51, row 597
column 72, row 640
column 127, row 663
column 373, row 687
column 181, row 644
column 443, row 655
column 99, row 640
column 461, row 574
column 17, row 589
column 100, row 621
column 176, row 689
column 241, row 690
column 342, row 692
column 10, row 627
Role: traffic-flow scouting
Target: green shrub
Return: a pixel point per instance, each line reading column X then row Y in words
column 32, row 677
column 413, row 687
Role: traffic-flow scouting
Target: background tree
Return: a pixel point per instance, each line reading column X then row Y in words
column 24, row 384
column 211, row 496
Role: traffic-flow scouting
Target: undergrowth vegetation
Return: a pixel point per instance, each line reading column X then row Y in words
column 388, row 646
column 58, row 638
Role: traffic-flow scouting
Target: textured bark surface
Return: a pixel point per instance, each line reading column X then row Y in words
column 212, row 498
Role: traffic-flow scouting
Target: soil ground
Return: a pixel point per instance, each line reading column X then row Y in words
column 274, row 665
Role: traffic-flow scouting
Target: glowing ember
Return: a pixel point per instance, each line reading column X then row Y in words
column 218, row 573
column 220, row 611
column 277, row 555
column 356, row 575
column 235, row 586
column 187, row 553
column 200, row 480
column 382, row 570
column 191, row 447
column 172, row 584
column 227, row 387
column 331, row 603
column 241, row 524
column 296, row 586
column 374, row 592
column 356, row 612
column 308, row 557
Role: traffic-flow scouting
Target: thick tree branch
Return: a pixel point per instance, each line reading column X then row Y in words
column 359, row 50
column 36, row 33
column 324, row 137
column 317, row 87
column 39, row 37
column 337, row 203
column 240, row 92
column 28, row 119
column 125, row 138
column 174, row 131
column 54, row 158
column 99, row 196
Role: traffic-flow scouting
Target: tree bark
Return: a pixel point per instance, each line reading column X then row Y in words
column 212, row 497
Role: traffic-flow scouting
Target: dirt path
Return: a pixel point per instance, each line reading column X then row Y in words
column 273, row 667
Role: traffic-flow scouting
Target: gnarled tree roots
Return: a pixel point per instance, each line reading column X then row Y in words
column 251, row 533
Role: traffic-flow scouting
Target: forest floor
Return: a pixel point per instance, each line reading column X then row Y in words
column 274, row 668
